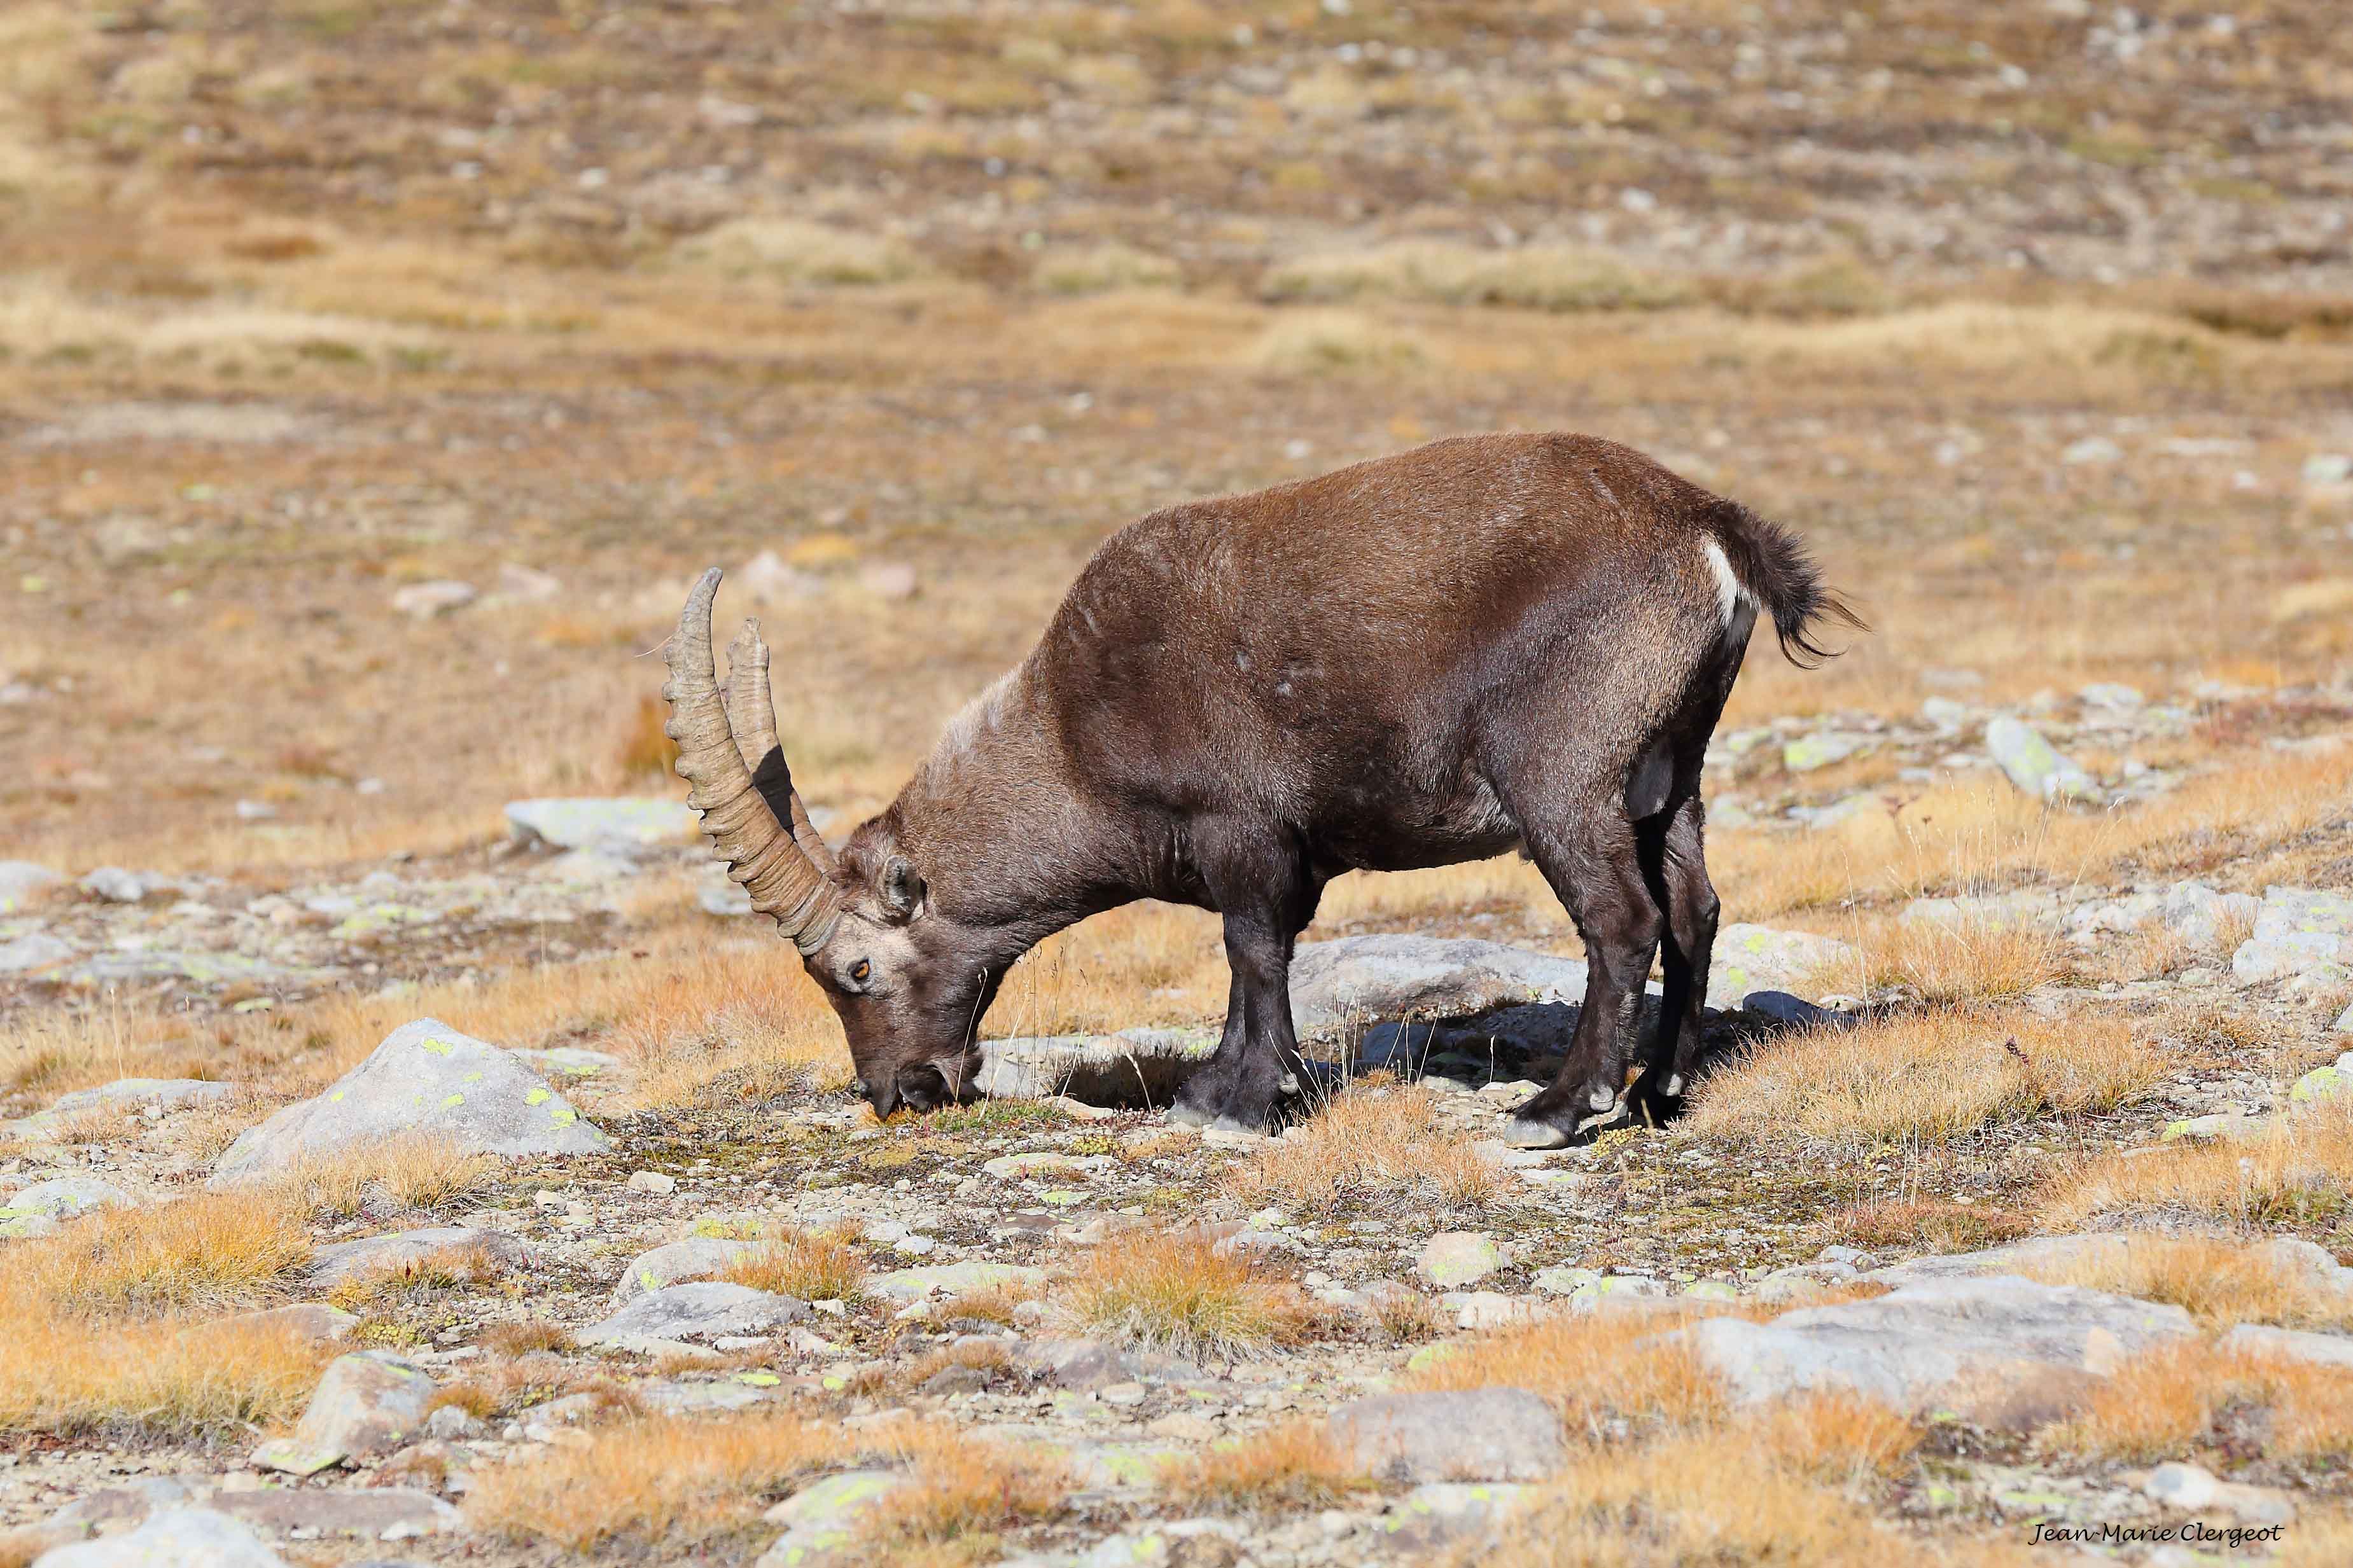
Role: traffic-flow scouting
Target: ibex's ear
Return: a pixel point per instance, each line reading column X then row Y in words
column 902, row 886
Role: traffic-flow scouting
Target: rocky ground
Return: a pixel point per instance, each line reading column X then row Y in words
column 586, row 1264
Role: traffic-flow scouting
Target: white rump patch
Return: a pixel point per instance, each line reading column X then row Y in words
column 1729, row 591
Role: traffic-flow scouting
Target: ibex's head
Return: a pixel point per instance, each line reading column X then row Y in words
column 909, row 981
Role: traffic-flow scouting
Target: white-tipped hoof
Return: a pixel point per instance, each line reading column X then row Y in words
column 1675, row 1087
column 1521, row 1132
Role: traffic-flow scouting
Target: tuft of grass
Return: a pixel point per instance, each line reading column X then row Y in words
column 1961, row 960
column 645, row 746
column 1940, row 1227
column 798, row 252
column 1106, row 267
column 1604, row 1373
column 962, row 1493
column 1177, row 1291
column 813, row 1267
column 2218, row 1282
column 2197, row 1395
column 1384, row 1148
column 445, row 1269
column 523, row 1338
column 1320, row 342
column 671, row 1480
column 413, row 1173
column 1292, row 1466
column 169, row 1378
column 1534, row 277
column 209, row 1250
column 1933, row 1075
column 1836, row 1438
column 2300, row 1168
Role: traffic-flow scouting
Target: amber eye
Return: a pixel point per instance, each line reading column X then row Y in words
column 861, row 970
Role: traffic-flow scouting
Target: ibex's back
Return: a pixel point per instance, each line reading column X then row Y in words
column 1370, row 656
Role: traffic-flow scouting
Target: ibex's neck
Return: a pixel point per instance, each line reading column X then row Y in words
column 1001, row 831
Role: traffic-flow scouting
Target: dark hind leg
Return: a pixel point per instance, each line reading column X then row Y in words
column 1267, row 895
column 1674, row 868
column 1587, row 849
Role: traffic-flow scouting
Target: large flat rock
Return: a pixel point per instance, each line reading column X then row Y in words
column 2300, row 933
column 1136, row 1067
column 426, row 1079
column 1360, row 980
column 2002, row 1351
column 580, row 822
column 1465, row 1435
column 676, row 1316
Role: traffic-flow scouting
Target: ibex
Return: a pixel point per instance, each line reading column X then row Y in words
column 1488, row 643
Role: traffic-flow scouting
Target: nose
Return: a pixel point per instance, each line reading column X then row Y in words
column 883, row 1096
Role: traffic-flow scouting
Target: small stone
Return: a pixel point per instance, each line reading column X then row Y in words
column 2091, row 449
column 889, row 580
column 824, row 1516
column 1437, row 1512
column 527, row 585
column 20, row 880
column 1470, row 1434
column 578, row 823
column 658, row 1183
column 115, row 885
column 666, row 1320
column 2034, row 765
column 423, row 601
column 1808, row 753
column 1455, row 1258
column 674, row 1263
column 2180, row 1487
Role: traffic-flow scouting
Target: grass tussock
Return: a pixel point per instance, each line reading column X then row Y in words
column 813, row 1267
column 1533, row 277
column 1371, row 1148
column 1931, row 1076
column 1175, row 1291
column 2198, row 1397
column 1290, row 1466
column 1837, row 1437
column 418, row 1174
column 167, row 1378
column 1603, row 1373
column 524, row 1337
column 673, row 1480
column 2219, row 1283
column 1324, row 343
column 1104, row 269
column 794, row 251
column 2299, row 1168
column 960, row 1495
column 1945, row 963
column 206, row 1251
column 1938, row 1225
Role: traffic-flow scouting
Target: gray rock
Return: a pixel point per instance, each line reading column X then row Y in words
column 33, row 950
column 2323, row 469
column 1460, row 1257
column 2344, row 1025
column 2299, row 932
column 2091, row 449
column 2111, row 698
column 576, row 824
column 371, row 1513
column 1437, row 1512
column 138, row 965
column 20, row 880
column 1139, row 1067
column 2034, row 765
column 35, row 1210
column 179, row 1538
column 705, row 1398
column 666, row 1320
column 2192, row 911
column 2002, row 1351
column 313, row 1321
column 961, row 1278
column 2026, row 908
column 426, row 1079
column 404, row 1252
column 727, row 899
column 824, row 1516
column 423, row 601
column 115, row 885
column 1822, row 748
column 1156, row 1546
column 2291, row 1344
column 1749, row 958
column 1470, row 1434
column 568, row 1064
column 2178, row 1486
column 368, row 1403
column 2093, row 1249
column 2324, row 1083
column 1785, row 1008
column 693, row 1258
column 1368, row 978
column 1088, row 1364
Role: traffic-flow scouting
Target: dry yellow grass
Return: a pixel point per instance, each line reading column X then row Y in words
column 675, row 1481
column 1293, row 1466
column 1175, row 1291
column 2219, row 1283
column 961, row 1493
column 1536, row 277
column 1932, row 1076
column 1597, row 1371
column 2298, row 1168
column 1371, row 1147
column 1953, row 961
column 2174, row 1402
column 172, row 1377
column 205, row 1250
column 1336, row 342
column 422, row 1172
column 50, row 1051
column 1839, row 1438
column 815, row 1268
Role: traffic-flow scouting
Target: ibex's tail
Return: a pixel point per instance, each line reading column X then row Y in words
column 1774, row 567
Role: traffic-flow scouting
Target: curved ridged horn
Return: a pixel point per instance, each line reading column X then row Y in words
column 785, row 884
column 752, row 714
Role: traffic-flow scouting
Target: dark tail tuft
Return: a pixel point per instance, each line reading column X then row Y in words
column 1774, row 565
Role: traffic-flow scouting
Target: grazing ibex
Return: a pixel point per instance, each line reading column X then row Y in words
column 1488, row 643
